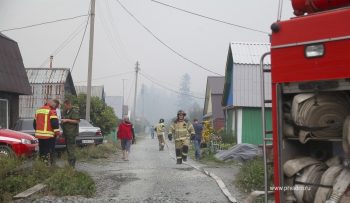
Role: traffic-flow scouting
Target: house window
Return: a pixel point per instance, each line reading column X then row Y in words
column 4, row 113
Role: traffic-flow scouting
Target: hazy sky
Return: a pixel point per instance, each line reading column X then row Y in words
column 120, row 41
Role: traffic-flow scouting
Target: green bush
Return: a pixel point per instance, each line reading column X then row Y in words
column 251, row 175
column 226, row 138
column 67, row 181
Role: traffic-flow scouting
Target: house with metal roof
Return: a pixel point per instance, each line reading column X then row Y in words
column 241, row 95
column 213, row 110
column 13, row 81
column 96, row 91
column 54, row 83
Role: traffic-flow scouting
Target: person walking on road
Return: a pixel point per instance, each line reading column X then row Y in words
column 152, row 131
column 126, row 135
column 160, row 129
column 182, row 131
column 198, row 128
column 70, row 126
column 46, row 129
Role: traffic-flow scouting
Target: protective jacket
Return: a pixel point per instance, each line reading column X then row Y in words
column 160, row 128
column 45, row 122
column 181, row 130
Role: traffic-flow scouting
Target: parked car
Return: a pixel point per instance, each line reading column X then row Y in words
column 17, row 143
column 88, row 134
column 25, row 125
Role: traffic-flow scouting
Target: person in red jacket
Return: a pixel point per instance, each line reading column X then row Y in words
column 126, row 136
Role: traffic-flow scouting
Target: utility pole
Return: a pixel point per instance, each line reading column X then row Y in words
column 123, row 113
column 137, row 69
column 51, row 60
column 91, row 53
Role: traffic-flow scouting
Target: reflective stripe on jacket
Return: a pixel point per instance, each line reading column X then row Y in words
column 44, row 119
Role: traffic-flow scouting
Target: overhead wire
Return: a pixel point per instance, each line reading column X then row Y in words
column 117, row 34
column 81, row 43
column 210, row 18
column 65, row 43
column 109, row 36
column 169, row 89
column 161, row 82
column 108, row 76
column 279, row 12
column 162, row 42
column 43, row 23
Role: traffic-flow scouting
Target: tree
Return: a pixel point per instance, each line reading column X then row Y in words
column 102, row 115
column 185, row 100
column 195, row 112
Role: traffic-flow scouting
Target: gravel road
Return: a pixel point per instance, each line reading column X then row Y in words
column 149, row 176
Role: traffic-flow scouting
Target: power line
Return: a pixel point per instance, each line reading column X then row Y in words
column 64, row 43
column 108, row 76
column 169, row 89
column 43, row 23
column 210, row 18
column 109, row 36
column 169, row 85
column 114, row 25
column 81, row 42
column 159, row 40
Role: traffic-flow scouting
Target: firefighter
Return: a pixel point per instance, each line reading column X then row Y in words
column 160, row 129
column 46, row 129
column 70, row 126
column 182, row 131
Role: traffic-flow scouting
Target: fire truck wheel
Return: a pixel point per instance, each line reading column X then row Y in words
column 6, row 151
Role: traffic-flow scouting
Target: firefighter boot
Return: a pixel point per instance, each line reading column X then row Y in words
column 184, row 152
column 178, row 156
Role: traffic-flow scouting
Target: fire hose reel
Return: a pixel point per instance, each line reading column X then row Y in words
column 318, row 115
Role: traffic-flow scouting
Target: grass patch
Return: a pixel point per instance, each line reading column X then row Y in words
column 92, row 152
column 96, row 152
column 67, row 181
column 251, row 176
column 17, row 175
column 206, row 156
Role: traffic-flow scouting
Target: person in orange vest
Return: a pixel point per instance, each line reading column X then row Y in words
column 46, row 127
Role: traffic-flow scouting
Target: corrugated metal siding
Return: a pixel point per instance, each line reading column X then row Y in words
column 251, row 125
column 246, row 85
column 29, row 104
column 47, row 75
column 249, row 53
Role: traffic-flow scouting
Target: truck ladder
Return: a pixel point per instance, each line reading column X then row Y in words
column 264, row 102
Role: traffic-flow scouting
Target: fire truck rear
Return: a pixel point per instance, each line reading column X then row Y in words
column 310, row 71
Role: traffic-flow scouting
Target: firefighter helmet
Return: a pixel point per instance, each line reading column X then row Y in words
column 161, row 120
column 181, row 112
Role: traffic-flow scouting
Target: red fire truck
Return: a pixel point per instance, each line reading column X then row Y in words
column 310, row 71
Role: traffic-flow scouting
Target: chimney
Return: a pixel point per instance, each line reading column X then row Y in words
column 51, row 59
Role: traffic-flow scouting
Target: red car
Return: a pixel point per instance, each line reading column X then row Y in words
column 17, row 143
